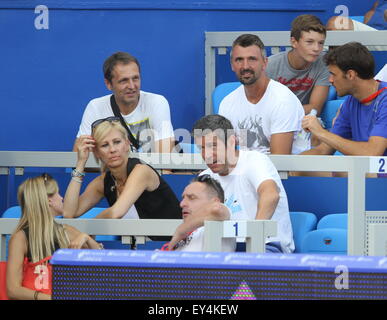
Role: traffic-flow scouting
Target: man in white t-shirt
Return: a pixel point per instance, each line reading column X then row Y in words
column 146, row 114
column 202, row 200
column 265, row 113
column 252, row 186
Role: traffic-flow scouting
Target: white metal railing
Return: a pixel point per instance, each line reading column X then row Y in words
column 377, row 239
column 255, row 232
column 356, row 167
column 218, row 42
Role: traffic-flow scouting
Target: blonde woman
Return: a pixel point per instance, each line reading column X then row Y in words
column 133, row 189
column 36, row 238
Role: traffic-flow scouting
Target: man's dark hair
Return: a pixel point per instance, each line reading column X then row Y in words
column 352, row 56
column 215, row 123
column 247, row 40
column 213, row 186
column 307, row 23
column 114, row 59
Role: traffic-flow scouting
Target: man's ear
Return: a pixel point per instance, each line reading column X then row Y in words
column 216, row 200
column 293, row 42
column 265, row 62
column 232, row 141
column 351, row 74
column 108, row 84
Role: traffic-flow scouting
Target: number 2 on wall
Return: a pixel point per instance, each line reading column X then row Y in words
column 382, row 162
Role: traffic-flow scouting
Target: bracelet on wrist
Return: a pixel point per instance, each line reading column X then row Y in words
column 77, row 174
column 77, row 179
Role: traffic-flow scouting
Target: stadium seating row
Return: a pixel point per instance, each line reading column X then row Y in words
column 328, row 236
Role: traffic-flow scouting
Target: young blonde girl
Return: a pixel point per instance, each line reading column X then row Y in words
column 36, row 238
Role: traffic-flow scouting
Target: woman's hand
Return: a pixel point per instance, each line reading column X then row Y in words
column 211, row 211
column 85, row 145
column 79, row 241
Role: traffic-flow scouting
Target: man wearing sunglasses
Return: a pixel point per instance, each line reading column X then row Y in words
column 202, row 200
column 252, row 186
column 146, row 115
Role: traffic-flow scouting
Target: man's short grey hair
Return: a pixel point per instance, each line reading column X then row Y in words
column 247, row 40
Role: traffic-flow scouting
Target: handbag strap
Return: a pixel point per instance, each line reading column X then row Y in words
column 116, row 111
column 37, row 262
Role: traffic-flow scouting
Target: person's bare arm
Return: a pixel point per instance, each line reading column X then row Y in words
column 80, row 240
column 317, row 99
column 281, row 143
column 17, row 250
column 140, row 179
column 268, row 194
column 368, row 15
column 75, row 205
column 375, row 146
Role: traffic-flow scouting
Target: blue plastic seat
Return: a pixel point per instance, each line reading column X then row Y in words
column 15, row 212
column 220, row 92
column 91, row 214
column 357, row 18
column 189, row 147
column 325, row 241
column 302, row 223
column 334, row 220
column 330, row 111
column 12, row 212
column 332, row 94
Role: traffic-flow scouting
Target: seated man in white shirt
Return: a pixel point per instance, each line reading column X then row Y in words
column 267, row 111
column 202, row 200
column 145, row 114
column 252, row 186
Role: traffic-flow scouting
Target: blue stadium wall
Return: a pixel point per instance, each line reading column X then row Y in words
column 48, row 76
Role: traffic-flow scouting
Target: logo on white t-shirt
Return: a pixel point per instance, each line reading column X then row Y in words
column 255, row 136
column 233, row 204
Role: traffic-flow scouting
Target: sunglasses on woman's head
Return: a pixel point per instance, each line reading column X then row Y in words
column 46, row 177
column 99, row 121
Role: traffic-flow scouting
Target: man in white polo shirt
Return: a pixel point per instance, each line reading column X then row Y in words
column 146, row 115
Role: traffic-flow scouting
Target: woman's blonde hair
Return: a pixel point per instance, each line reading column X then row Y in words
column 102, row 130
column 33, row 197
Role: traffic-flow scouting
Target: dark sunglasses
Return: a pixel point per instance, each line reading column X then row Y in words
column 204, row 178
column 99, row 121
column 207, row 179
column 46, row 177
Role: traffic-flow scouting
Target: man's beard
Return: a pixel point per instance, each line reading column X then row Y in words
column 250, row 81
